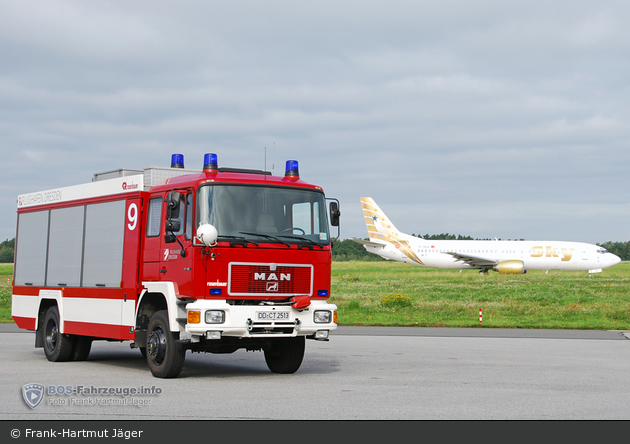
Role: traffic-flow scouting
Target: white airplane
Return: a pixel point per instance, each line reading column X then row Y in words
column 509, row 257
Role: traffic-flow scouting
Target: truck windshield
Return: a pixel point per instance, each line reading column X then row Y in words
column 264, row 214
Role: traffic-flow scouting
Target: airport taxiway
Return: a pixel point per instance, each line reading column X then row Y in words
column 362, row 373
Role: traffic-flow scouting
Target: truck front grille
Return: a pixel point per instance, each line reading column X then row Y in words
column 250, row 279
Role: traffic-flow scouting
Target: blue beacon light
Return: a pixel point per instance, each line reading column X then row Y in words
column 177, row 161
column 210, row 162
column 292, row 170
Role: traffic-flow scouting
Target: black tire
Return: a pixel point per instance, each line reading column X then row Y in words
column 165, row 355
column 57, row 346
column 285, row 354
column 81, row 349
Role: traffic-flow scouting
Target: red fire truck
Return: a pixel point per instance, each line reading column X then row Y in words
column 210, row 260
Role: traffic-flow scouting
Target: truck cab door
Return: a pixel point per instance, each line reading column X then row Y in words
column 176, row 241
column 154, row 232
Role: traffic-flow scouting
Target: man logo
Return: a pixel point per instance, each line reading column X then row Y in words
column 33, row 394
column 272, row 277
column 272, row 286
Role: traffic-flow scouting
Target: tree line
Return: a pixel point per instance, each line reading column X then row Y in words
column 621, row 249
column 6, row 251
column 349, row 250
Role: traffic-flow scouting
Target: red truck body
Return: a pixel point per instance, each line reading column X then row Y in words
column 122, row 258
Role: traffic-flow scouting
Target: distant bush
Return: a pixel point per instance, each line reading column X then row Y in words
column 443, row 236
column 349, row 250
column 7, row 249
column 621, row 249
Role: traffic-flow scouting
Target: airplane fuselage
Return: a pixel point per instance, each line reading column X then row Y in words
column 510, row 257
column 534, row 255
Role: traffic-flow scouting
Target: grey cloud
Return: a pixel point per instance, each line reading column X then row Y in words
column 462, row 116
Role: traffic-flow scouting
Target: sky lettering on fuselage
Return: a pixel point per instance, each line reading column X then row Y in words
column 565, row 253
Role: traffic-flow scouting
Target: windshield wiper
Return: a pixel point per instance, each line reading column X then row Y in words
column 266, row 236
column 306, row 239
column 237, row 238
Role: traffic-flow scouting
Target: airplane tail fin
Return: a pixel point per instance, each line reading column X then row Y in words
column 381, row 230
column 378, row 224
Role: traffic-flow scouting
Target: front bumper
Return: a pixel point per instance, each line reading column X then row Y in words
column 259, row 321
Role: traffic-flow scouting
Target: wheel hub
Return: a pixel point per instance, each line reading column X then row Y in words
column 156, row 346
column 51, row 337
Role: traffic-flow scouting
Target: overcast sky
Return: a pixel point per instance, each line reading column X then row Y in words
column 505, row 119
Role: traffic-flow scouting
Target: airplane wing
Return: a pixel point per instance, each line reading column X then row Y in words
column 369, row 243
column 474, row 261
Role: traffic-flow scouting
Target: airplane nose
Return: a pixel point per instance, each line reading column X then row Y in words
column 614, row 259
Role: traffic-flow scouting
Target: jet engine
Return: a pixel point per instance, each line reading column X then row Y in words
column 510, row 267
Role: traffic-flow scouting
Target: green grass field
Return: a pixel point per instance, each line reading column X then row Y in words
column 396, row 294
column 6, row 274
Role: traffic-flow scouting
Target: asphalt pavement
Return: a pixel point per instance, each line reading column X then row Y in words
column 362, row 373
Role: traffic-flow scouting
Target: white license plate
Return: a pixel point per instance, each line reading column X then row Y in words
column 272, row 315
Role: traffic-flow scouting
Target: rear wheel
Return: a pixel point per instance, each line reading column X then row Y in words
column 285, row 354
column 165, row 355
column 57, row 346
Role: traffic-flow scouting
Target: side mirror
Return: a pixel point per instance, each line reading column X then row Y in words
column 172, row 202
column 170, row 238
column 335, row 214
column 173, row 226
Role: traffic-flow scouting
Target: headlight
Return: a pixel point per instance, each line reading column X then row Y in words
column 215, row 317
column 322, row 317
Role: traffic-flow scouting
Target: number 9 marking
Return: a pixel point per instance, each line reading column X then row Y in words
column 132, row 216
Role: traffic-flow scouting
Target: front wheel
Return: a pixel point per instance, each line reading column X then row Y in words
column 285, row 354
column 165, row 355
column 82, row 347
column 57, row 346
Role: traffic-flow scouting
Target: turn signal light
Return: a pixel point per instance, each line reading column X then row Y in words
column 194, row 317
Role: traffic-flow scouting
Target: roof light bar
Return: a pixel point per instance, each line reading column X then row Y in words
column 292, row 170
column 210, row 162
column 177, row 161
